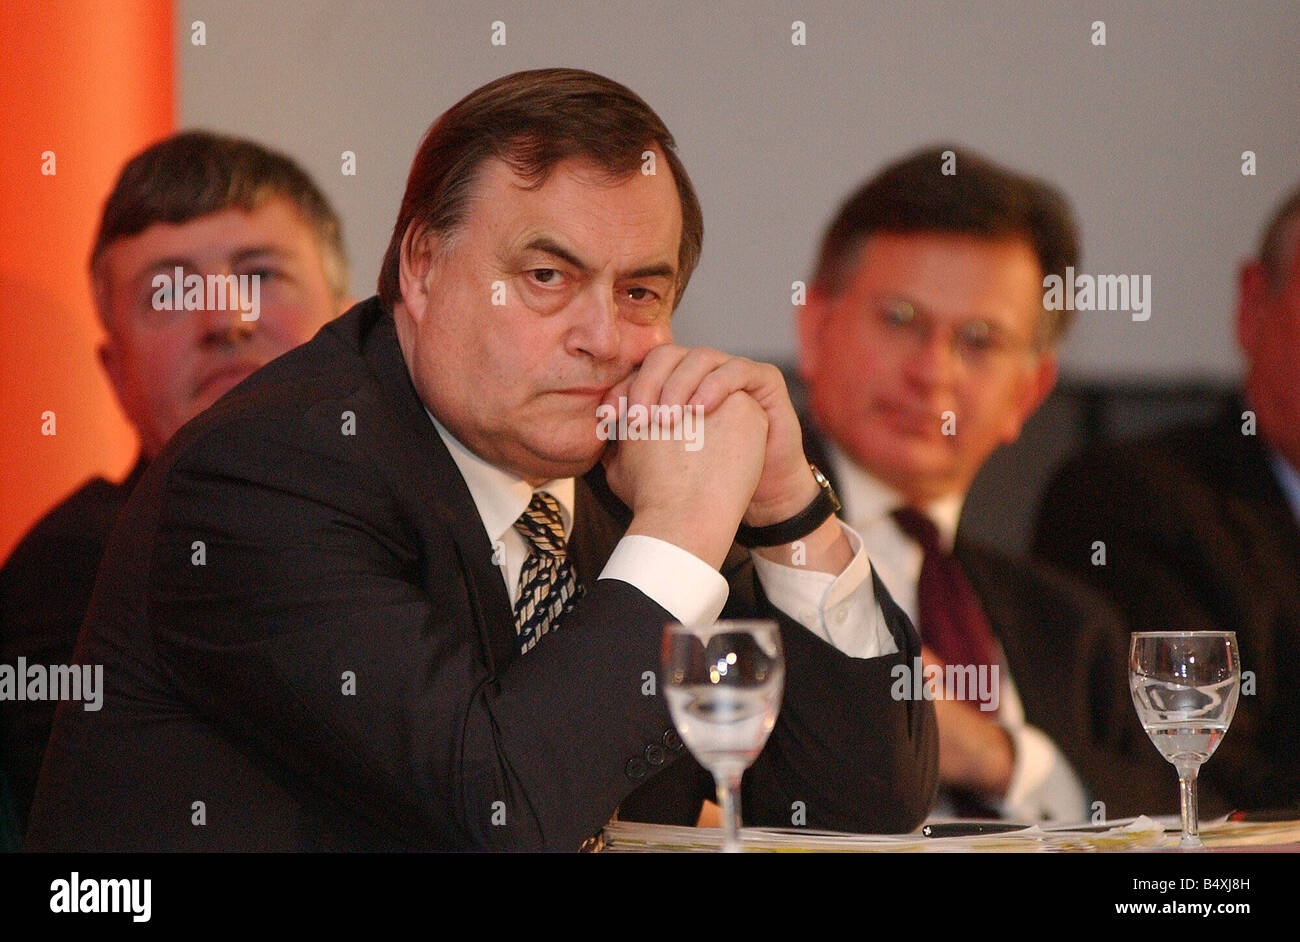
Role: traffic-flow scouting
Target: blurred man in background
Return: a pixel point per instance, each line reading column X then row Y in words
column 1197, row 528
column 925, row 345
column 194, row 204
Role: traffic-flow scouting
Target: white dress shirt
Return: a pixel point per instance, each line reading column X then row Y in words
column 841, row 610
column 1044, row 786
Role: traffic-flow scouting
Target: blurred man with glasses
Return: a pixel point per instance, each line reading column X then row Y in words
column 925, row 345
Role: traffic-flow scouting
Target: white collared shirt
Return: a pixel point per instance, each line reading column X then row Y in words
column 841, row 610
column 1043, row 783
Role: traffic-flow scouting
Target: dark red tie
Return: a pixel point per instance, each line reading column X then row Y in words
column 953, row 623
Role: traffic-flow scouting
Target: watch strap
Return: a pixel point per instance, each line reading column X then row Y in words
column 825, row 504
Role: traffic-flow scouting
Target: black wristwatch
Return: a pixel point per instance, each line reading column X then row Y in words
column 824, row 505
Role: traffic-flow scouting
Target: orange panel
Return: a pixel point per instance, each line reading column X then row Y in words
column 92, row 82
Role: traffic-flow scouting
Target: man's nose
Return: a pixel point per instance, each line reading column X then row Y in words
column 224, row 325
column 595, row 328
column 934, row 359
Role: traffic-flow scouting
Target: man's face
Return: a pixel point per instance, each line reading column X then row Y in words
column 1269, row 333
column 168, row 366
column 516, row 327
column 925, row 363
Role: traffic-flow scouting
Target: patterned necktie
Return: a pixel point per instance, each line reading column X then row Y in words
column 953, row 622
column 547, row 581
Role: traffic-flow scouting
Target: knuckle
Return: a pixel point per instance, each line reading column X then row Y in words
column 710, row 358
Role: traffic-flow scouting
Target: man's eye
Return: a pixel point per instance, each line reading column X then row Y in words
column 897, row 314
column 545, row 276
column 978, row 336
column 641, row 294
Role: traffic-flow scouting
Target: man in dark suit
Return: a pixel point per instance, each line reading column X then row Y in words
column 1196, row 528
column 387, row 594
column 924, row 344
column 204, row 204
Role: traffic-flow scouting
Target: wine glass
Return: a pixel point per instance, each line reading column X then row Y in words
column 1185, row 686
column 724, row 690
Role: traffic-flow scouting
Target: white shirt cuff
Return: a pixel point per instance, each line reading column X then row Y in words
column 691, row 590
column 841, row 610
column 1044, row 786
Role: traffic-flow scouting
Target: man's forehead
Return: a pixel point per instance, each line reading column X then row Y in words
column 936, row 242
column 273, row 226
column 936, row 268
column 577, row 177
column 587, row 169
column 579, row 200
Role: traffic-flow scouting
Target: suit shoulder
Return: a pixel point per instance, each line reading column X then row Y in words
column 1161, row 485
column 312, row 401
column 320, row 438
column 1179, row 452
column 1033, row 582
column 76, row 526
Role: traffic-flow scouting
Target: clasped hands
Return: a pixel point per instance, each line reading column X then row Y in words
column 749, row 463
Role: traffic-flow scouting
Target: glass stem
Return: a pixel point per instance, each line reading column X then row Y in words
column 729, row 802
column 1187, row 796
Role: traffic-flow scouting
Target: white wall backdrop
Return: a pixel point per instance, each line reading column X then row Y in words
column 1145, row 133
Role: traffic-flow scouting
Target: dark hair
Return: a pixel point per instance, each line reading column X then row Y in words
column 1283, row 228
column 532, row 121
column 980, row 199
column 195, row 173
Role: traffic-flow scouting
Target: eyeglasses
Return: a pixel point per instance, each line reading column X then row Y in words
column 977, row 342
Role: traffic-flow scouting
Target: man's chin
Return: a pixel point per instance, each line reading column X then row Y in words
column 211, row 391
column 565, row 462
column 204, row 401
column 904, row 464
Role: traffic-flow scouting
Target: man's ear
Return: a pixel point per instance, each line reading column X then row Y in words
column 810, row 321
column 1252, row 303
column 1034, row 389
column 108, row 352
column 415, row 265
column 110, row 358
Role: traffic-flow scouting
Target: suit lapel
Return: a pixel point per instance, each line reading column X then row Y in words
column 990, row 578
column 906, row 637
column 447, row 498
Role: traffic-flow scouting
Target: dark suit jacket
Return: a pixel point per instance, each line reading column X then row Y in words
column 1063, row 651
column 1063, row 647
column 1198, row 535
column 338, row 669
column 45, row 587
